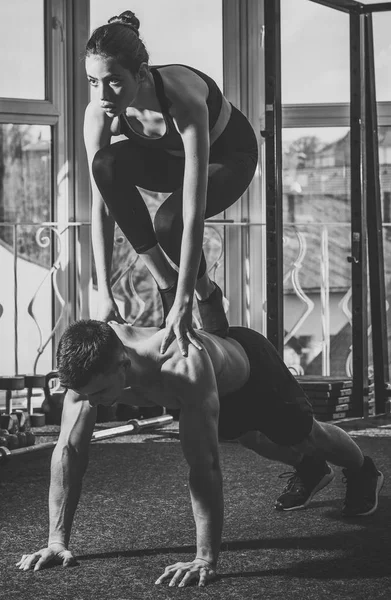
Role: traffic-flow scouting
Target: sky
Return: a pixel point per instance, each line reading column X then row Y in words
column 315, row 50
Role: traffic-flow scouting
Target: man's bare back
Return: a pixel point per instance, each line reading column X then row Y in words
column 150, row 369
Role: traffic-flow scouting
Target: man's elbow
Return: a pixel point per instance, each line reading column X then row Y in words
column 68, row 454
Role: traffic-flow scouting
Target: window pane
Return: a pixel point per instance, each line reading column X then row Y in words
column 25, row 173
column 316, row 163
column 316, row 186
column 22, row 65
column 382, row 49
column 314, row 53
column 26, row 250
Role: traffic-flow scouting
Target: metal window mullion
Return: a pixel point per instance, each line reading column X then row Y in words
column 347, row 6
column 62, row 150
column 358, row 219
column 273, row 175
column 82, row 200
column 232, row 45
column 375, row 229
column 376, row 7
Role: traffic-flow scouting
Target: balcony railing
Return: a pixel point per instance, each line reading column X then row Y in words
column 38, row 262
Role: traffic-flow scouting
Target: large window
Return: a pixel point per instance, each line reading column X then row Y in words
column 316, row 181
column 39, row 155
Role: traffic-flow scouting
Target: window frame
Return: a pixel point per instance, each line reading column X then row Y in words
column 66, row 24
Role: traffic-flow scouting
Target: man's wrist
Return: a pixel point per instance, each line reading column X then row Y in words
column 210, row 561
column 57, row 543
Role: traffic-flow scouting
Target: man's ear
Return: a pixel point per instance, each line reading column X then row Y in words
column 124, row 359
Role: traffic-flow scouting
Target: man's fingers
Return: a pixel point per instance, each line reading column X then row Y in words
column 168, row 571
column 27, row 561
column 187, row 578
column 163, row 577
column 69, row 560
column 203, row 578
column 176, row 577
column 40, row 563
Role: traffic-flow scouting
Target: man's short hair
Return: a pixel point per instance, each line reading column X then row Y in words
column 86, row 348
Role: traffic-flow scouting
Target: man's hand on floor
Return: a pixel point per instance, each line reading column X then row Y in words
column 54, row 553
column 183, row 573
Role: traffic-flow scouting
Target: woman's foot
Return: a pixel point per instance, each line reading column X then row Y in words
column 212, row 313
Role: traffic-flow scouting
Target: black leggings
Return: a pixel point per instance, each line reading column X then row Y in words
column 122, row 166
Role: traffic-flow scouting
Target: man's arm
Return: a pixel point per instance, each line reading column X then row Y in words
column 68, row 465
column 199, row 439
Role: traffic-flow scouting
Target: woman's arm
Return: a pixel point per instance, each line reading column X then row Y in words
column 97, row 135
column 191, row 117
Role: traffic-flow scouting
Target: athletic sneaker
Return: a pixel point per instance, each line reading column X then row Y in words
column 309, row 478
column 362, row 489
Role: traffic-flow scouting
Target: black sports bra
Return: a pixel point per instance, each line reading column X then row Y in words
column 171, row 139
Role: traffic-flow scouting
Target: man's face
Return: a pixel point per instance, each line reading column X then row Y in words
column 106, row 388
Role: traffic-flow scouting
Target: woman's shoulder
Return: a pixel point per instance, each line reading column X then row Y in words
column 96, row 119
column 182, row 84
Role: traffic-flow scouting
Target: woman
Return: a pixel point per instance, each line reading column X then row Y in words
column 185, row 138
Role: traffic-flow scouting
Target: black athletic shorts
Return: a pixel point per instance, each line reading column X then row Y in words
column 271, row 401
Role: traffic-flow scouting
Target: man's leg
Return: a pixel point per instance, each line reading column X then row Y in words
column 259, row 443
column 311, row 473
column 364, row 481
column 326, row 442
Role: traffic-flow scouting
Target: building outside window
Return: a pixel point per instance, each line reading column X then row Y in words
column 316, row 181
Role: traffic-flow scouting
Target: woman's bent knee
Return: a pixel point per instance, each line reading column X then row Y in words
column 103, row 164
column 110, row 161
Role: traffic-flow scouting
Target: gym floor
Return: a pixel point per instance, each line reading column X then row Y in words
column 134, row 518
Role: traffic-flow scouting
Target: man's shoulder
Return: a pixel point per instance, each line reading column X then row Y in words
column 130, row 335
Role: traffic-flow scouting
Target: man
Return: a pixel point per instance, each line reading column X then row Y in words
column 235, row 388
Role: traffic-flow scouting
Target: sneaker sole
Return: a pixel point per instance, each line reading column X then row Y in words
column 322, row 484
column 380, row 482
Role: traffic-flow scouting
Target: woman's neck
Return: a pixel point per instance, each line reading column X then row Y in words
column 146, row 98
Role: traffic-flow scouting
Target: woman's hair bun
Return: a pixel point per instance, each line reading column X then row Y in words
column 127, row 18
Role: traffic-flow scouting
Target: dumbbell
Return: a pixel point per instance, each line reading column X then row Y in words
column 9, row 423
column 15, row 430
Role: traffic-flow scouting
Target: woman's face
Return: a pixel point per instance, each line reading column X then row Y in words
column 113, row 86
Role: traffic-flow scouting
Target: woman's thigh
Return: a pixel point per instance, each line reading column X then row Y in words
column 151, row 169
column 228, row 178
